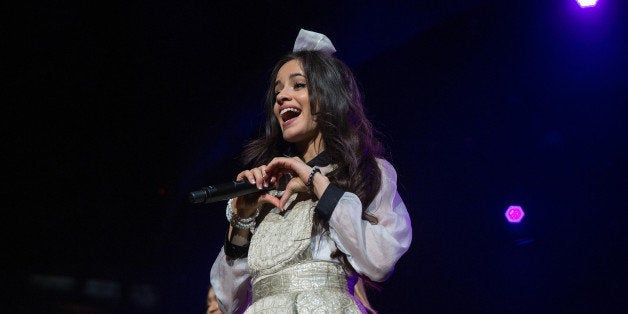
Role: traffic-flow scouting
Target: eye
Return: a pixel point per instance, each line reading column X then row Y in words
column 299, row 85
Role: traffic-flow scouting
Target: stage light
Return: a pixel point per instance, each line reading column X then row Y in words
column 587, row 3
column 514, row 214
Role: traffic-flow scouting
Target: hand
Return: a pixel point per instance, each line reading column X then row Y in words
column 294, row 166
column 246, row 205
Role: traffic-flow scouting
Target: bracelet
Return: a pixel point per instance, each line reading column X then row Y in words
column 230, row 215
column 229, row 212
column 240, row 223
column 311, row 178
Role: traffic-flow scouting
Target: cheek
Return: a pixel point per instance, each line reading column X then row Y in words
column 278, row 118
column 305, row 104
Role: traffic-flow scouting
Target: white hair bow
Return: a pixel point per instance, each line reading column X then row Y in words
column 308, row 40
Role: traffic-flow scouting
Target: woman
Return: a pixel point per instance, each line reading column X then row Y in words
column 339, row 217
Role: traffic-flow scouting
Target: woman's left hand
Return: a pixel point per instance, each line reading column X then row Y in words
column 294, row 166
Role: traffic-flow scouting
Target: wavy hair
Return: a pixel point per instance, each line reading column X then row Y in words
column 348, row 136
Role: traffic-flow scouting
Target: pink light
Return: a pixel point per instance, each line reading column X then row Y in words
column 587, row 3
column 514, row 214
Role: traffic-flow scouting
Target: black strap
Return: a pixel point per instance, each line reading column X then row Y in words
column 235, row 251
column 328, row 201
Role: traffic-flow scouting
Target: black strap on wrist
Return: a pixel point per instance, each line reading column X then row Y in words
column 329, row 200
column 235, row 251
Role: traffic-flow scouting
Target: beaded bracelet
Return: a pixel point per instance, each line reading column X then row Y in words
column 311, row 178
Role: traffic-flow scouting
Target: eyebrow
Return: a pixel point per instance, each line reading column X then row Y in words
column 291, row 76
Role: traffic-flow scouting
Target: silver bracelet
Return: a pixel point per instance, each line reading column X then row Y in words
column 240, row 223
column 229, row 212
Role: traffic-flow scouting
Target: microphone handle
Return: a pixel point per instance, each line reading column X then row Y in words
column 216, row 193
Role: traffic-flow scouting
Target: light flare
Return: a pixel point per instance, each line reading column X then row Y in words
column 587, row 3
column 514, row 214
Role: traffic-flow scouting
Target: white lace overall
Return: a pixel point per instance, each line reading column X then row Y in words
column 285, row 277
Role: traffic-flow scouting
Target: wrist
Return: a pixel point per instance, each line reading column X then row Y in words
column 239, row 236
column 238, row 222
column 236, row 246
column 241, row 213
column 320, row 183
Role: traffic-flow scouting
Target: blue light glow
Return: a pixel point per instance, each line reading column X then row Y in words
column 587, row 3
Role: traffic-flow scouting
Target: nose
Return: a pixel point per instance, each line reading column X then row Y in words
column 283, row 95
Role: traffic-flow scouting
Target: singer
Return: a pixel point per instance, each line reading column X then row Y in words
column 339, row 218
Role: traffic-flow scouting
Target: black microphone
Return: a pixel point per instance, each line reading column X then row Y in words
column 225, row 191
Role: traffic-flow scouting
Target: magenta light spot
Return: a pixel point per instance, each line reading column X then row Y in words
column 587, row 3
column 514, row 214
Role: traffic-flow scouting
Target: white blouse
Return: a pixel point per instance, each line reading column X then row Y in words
column 371, row 249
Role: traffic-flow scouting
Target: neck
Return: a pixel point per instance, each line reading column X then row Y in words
column 311, row 148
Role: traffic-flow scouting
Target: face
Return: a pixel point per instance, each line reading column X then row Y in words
column 212, row 303
column 292, row 104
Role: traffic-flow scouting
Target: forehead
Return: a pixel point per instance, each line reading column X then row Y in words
column 289, row 68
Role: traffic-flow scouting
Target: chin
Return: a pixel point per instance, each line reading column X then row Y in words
column 291, row 137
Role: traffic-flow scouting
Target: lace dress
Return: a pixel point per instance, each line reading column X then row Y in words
column 285, row 278
column 289, row 270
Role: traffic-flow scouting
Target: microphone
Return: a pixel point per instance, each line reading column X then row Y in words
column 225, row 191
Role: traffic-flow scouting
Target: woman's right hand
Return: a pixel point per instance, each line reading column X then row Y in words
column 246, row 205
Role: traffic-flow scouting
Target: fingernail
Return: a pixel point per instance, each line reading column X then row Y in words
column 265, row 184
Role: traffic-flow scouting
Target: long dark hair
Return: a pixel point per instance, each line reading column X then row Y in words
column 348, row 135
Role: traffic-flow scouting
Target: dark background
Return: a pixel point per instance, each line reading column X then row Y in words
column 116, row 110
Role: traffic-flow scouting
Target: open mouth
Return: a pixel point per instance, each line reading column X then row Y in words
column 288, row 114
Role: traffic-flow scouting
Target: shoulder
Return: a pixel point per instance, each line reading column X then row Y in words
column 388, row 171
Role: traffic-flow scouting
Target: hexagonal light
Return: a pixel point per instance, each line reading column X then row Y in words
column 514, row 214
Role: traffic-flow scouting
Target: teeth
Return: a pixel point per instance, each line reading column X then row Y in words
column 289, row 109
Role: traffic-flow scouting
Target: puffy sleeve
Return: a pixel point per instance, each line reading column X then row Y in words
column 372, row 249
column 231, row 282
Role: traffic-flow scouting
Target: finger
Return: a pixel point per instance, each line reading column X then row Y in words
column 277, row 163
column 246, row 175
column 263, row 168
column 260, row 178
column 257, row 173
column 296, row 185
column 264, row 176
column 267, row 198
column 268, row 176
column 274, row 181
column 284, row 199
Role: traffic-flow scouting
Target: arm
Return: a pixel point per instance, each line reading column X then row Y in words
column 372, row 249
column 231, row 282
column 230, row 277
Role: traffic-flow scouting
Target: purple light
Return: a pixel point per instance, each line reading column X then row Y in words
column 587, row 3
column 514, row 214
